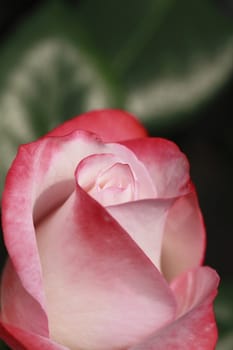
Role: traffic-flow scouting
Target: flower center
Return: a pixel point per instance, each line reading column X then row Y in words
column 107, row 179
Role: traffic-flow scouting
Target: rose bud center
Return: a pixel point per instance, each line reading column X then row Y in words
column 108, row 179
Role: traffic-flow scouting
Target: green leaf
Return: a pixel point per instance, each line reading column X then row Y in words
column 224, row 315
column 48, row 73
column 224, row 306
column 170, row 55
column 3, row 346
column 225, row 342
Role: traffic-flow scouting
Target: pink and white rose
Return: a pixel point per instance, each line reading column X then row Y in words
column 106, row 243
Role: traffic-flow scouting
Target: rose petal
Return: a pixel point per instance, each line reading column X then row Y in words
column 166, row 164
column 20, row 240
column 18, row 307
column 9, row 339
column 195, row 329
column 110, row 285
column 146, row 187
column 144, row 221
column 184, row 237
column 92, row 170
column 111, row 125
column 19, row 339
column 193, row 287
column 40, row 179
column 106, row 178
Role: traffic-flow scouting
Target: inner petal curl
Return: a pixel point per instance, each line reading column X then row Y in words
column 107, row 179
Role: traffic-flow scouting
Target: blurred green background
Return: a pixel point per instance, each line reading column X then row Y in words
column 170, row 62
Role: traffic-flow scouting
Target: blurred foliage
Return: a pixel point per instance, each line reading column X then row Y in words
column 224, row 315
column 158, row 59
column 3, row 346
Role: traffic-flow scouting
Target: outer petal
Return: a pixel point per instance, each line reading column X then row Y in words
column 9, row 339
column 19, row 339
column 144, row 221
column 111, row 125
column 195, row 329
column 184, row 237
column 194, row 287
column 40, row 180
column 19, row 234
column 18, row 307
column 113, row 295
column 167, row 165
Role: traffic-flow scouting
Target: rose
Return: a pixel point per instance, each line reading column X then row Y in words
column 106, row 241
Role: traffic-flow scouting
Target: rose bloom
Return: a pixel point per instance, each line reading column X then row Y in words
column 106, row 243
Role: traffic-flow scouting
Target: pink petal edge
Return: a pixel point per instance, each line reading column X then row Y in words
column 166, row 164
column 19, row 339
column 42, row 170
column 111, row 125
column 196, row 328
